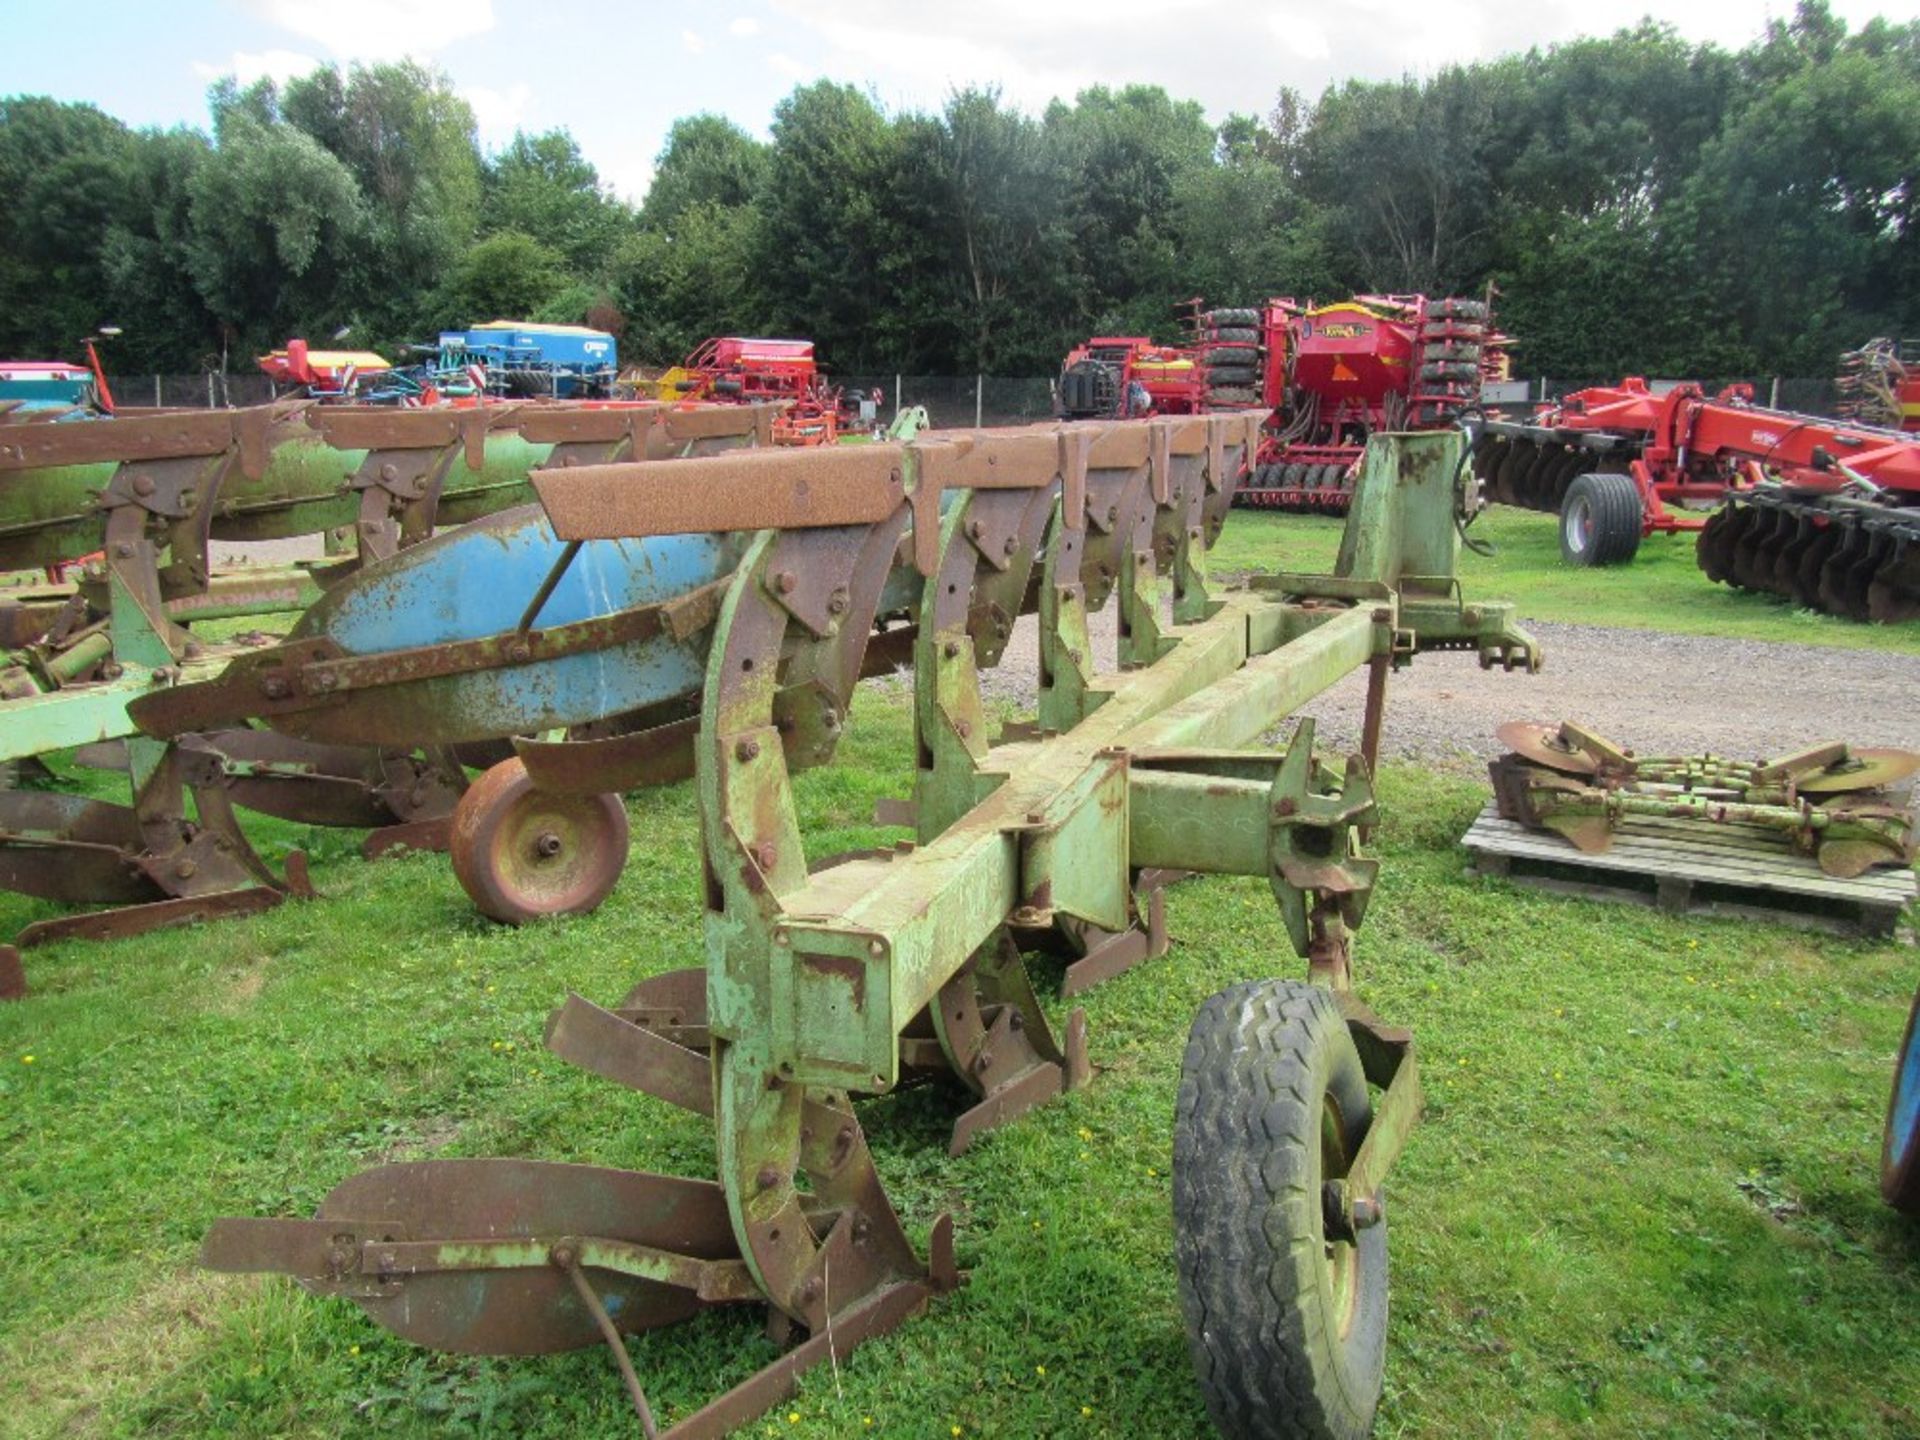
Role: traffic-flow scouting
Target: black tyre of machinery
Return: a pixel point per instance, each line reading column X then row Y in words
column 1601, row 521
column 1453, row 308
column 1229, row 353
column 1232, row 395
column 1900, row 1151
column 1452, row 331
column 1234, row 334
column 1090, row 387
column 1286, row 1325
column 1292, row 475
column 1215, row 319
column 1445, row 370
column 1452, row 350
column 1229, row 375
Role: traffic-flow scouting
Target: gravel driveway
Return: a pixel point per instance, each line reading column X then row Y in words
column 1653, row 692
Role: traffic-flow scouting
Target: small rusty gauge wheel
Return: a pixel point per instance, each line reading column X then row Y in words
column 1900, row 1156
column 1286, row 1320
column 522, row 852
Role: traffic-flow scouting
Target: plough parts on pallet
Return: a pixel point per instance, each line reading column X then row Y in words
column 858, row 976
column 152, row 495
column 1830, row 801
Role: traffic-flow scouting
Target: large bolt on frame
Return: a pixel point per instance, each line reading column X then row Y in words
column 886, row 969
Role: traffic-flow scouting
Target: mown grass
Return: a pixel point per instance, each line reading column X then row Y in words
column 1663, row 589
column 1643, row 1201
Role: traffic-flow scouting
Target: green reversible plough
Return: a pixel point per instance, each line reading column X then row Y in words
column 826, row 984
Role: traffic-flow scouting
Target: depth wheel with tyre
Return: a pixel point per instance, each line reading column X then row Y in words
column 1900, row 1154
column 521, row 852
column 1600, row 520
column 1286, row 1324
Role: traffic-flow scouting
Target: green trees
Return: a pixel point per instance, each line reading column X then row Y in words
column 1642, row 204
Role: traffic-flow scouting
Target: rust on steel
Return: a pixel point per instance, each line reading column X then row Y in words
column 829, row 486
column 162, row 437
column 759, row 490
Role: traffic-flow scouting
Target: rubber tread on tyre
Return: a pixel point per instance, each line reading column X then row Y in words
column 1900, row 1155
column 1287, row 1332
column 1600, row 519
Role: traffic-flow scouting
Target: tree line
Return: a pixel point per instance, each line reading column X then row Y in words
column 1640, row 203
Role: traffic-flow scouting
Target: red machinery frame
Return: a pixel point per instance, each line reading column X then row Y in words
column 1684, row 446
column 747, row 370
column 1334, row 374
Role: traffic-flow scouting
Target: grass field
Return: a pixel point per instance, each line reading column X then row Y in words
column 1643, row 1202
column 1662, row 589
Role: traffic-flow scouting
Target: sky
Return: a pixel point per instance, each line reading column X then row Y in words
column 618, row 75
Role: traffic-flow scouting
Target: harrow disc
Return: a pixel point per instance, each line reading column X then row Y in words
column 1863, row 770
column 1848, row 557
column 521, row 852
column 1544, row 745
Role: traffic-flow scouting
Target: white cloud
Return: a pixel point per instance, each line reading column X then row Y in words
column 1220, row 51
column 745, row 26
column 786, row 65
column 378, row 29
column 247, row 66
column 692, row 41
column 626, row 170
column 497, row 114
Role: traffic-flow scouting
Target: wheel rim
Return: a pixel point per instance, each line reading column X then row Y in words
column 1579, row 525
column 521, row 852
column 1342, row 1260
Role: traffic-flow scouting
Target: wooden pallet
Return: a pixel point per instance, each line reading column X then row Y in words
column 1689, row 868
